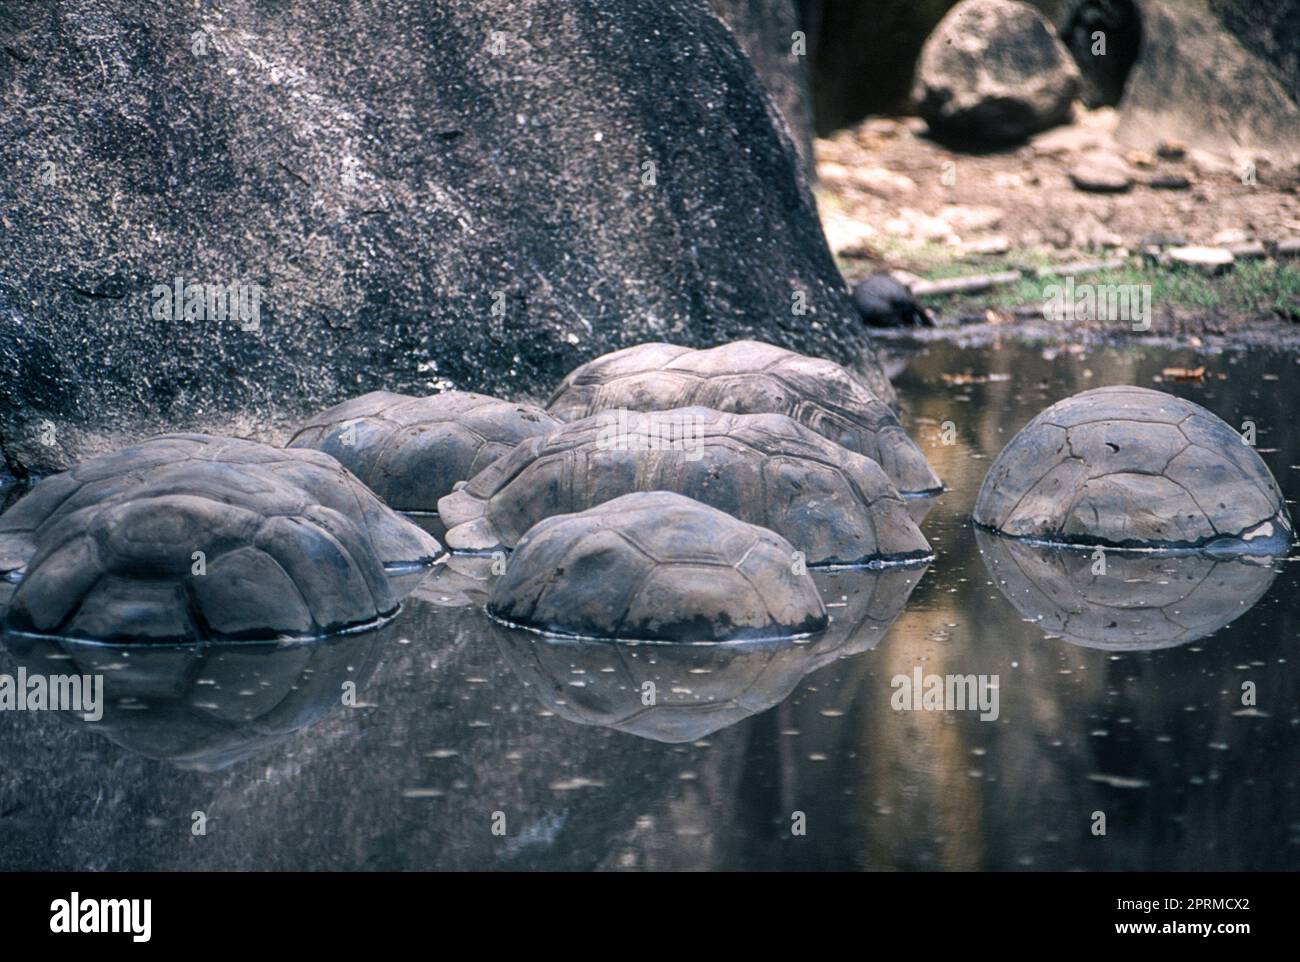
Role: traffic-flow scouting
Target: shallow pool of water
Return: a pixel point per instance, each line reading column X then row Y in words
column 1159, row 702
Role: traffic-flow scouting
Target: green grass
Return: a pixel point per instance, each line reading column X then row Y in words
column 1261, row 288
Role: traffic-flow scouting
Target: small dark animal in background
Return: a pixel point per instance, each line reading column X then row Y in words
column 884, row 302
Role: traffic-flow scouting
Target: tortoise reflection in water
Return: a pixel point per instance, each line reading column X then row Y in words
column 207, row 707
column 1143, row 601
column 679, row 693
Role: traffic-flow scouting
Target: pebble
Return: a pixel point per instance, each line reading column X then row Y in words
column 1212, row 260
column 1101, row 173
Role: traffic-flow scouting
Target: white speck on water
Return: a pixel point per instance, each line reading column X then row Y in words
column 1119, row 781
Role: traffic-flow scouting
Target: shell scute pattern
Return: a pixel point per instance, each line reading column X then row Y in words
column 411, row 451
column 187, row 538
column 749, row 377
column 1132, row 467
column 656, row 566
column 835, row 506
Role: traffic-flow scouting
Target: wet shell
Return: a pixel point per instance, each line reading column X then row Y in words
column 189, row 537
column 1131, row 467
column 411, row 451
column 656, row 566
column 835, row 506
column 750, row 377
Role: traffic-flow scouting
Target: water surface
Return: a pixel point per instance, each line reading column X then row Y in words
column 1120, row 695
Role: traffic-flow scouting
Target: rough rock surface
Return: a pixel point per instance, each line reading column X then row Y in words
column 411, row 451
column 749, row 377
column 656, row 566
column 835, row 506
column 766, row 30
column 1130, row 467
column 1221, row 76
column 993, row 72
column 420, row 193
column 700, row 689
column 1141, row 603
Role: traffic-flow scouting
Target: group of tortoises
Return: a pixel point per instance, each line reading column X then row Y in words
column 664, row 494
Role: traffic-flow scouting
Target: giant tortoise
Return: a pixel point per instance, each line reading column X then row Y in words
column 1143, row 601
column 164, row 465
column 411, row 450
column 656, row 566
column 750, row 377
column 188, row 538
column 1129, row 467
column 835, row 506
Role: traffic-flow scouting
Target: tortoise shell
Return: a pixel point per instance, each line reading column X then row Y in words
column 1136, row 468
column 656, row 566
column 1144, row 601
column 163, row 464
column 187, row 538
column 411, row 450
column 750, row 377
column 835, row 506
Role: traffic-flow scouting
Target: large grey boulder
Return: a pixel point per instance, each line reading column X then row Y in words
column 992, row 73
column 407, row 194
column 1221, row 76
column 772, row 35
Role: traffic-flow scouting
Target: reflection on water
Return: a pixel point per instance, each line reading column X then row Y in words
column 206, row 707
column 1122, row 601
column 1165, row 694
column 682, row 693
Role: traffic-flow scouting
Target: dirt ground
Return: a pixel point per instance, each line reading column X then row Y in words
column 890, row 196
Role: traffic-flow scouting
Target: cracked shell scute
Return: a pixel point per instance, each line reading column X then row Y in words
column 1135, row 468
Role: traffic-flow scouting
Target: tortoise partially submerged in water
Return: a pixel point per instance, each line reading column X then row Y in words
column 1129, row 467
column 165, row 465
column 750, row 377
column 656, row 566
column 410, row 450
column 835, row 506
column 188, row 537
